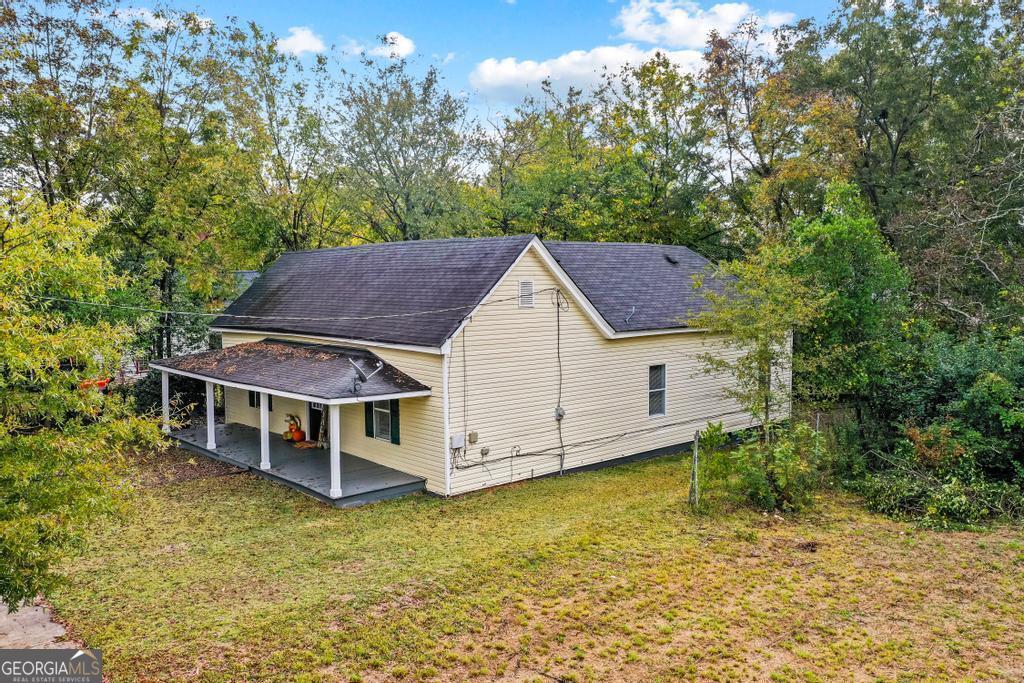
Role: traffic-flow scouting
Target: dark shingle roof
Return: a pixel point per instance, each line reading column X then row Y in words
column 418, row 292
column 316, row 370
column 637, row 286
column 366, row 282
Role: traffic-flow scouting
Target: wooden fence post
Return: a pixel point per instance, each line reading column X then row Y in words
column 694, row 492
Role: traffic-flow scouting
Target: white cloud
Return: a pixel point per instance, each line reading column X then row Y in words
column 448, row 58
column 395, row 46
column 685, row 24
column 156, row 20
column 301, row 40
column 509, row 79
column 677, row 28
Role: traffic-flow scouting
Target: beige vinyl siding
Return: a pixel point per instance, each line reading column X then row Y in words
column 422, row 448
column 503, row 384
column 237, row 409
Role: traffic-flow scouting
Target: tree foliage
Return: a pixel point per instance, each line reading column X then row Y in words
column 60, row 437
column 845, row 255
column 763, row 303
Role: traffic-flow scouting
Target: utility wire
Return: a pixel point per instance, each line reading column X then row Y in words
column 585, row 445
column 160, row 311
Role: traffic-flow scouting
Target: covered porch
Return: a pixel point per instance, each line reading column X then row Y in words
column 306, row 470
column 324, row 376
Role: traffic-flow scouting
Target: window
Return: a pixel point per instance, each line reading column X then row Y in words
column 382, row 420
column 656, row 390
column 254, row 401
column 526, row 294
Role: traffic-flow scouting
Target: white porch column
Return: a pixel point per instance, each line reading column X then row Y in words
column 165, row 401
column 264, row 432
column 211, row 421
column 335, row 438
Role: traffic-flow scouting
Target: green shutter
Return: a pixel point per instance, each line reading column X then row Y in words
column 368, row 412
column 394, row 421
column 252, row 399
column 270, row 403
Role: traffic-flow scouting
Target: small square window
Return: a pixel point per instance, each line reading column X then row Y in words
column 254, row 401
column 526, row 294
column 656, row 390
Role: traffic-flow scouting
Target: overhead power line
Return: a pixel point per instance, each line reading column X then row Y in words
column 200, row 314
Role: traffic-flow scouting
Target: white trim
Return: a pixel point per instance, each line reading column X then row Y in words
column 306, row 422
column 334, row 434
column 336, row 340
column 465, row 321
column 650, row 333
column 445, row 411
column 664, row 390
column 289, row 394
column 165, row 402
column 606, row 329
column 211, row 422
column 567, row 283
column 264, row 431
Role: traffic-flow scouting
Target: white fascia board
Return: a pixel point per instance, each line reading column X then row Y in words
column 651, row 333
column 336, row 340
column 290, row 394
column 565, row 281
column 447, row 346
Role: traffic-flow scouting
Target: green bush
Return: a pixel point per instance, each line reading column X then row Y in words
column 185, row 395
column 974, row 386
column 934, row 476
column 782, row 474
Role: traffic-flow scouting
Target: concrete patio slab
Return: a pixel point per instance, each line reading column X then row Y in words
column 306, row 470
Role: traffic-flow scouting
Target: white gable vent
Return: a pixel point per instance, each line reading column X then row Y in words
column 526, row 294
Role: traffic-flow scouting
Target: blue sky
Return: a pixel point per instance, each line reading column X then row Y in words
column 497, row 50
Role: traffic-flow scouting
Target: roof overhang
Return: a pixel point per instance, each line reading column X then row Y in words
column 559, row 273
column 327, row 374
column 299, row 336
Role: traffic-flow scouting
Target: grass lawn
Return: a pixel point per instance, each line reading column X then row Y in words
column 598, row 576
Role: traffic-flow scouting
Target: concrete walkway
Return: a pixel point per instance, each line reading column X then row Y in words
column 31, row 627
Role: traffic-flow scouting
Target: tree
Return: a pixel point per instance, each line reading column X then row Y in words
column 60, row 61
column 565, row 193
column 919, row 75
column 964, row 245
column 406, row 144
column 752, row 316
column 283, row 112
column 512, row 145
column 774, row 145
column 61, row 438
column 647, row 117
column 177, row 182
column 843, row 253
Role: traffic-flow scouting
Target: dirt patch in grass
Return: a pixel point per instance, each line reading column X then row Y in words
column 174, row 466
column 598, row 576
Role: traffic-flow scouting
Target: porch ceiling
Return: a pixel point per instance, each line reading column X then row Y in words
column 320, row 372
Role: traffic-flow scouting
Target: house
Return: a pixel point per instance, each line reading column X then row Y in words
column 456, row 365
